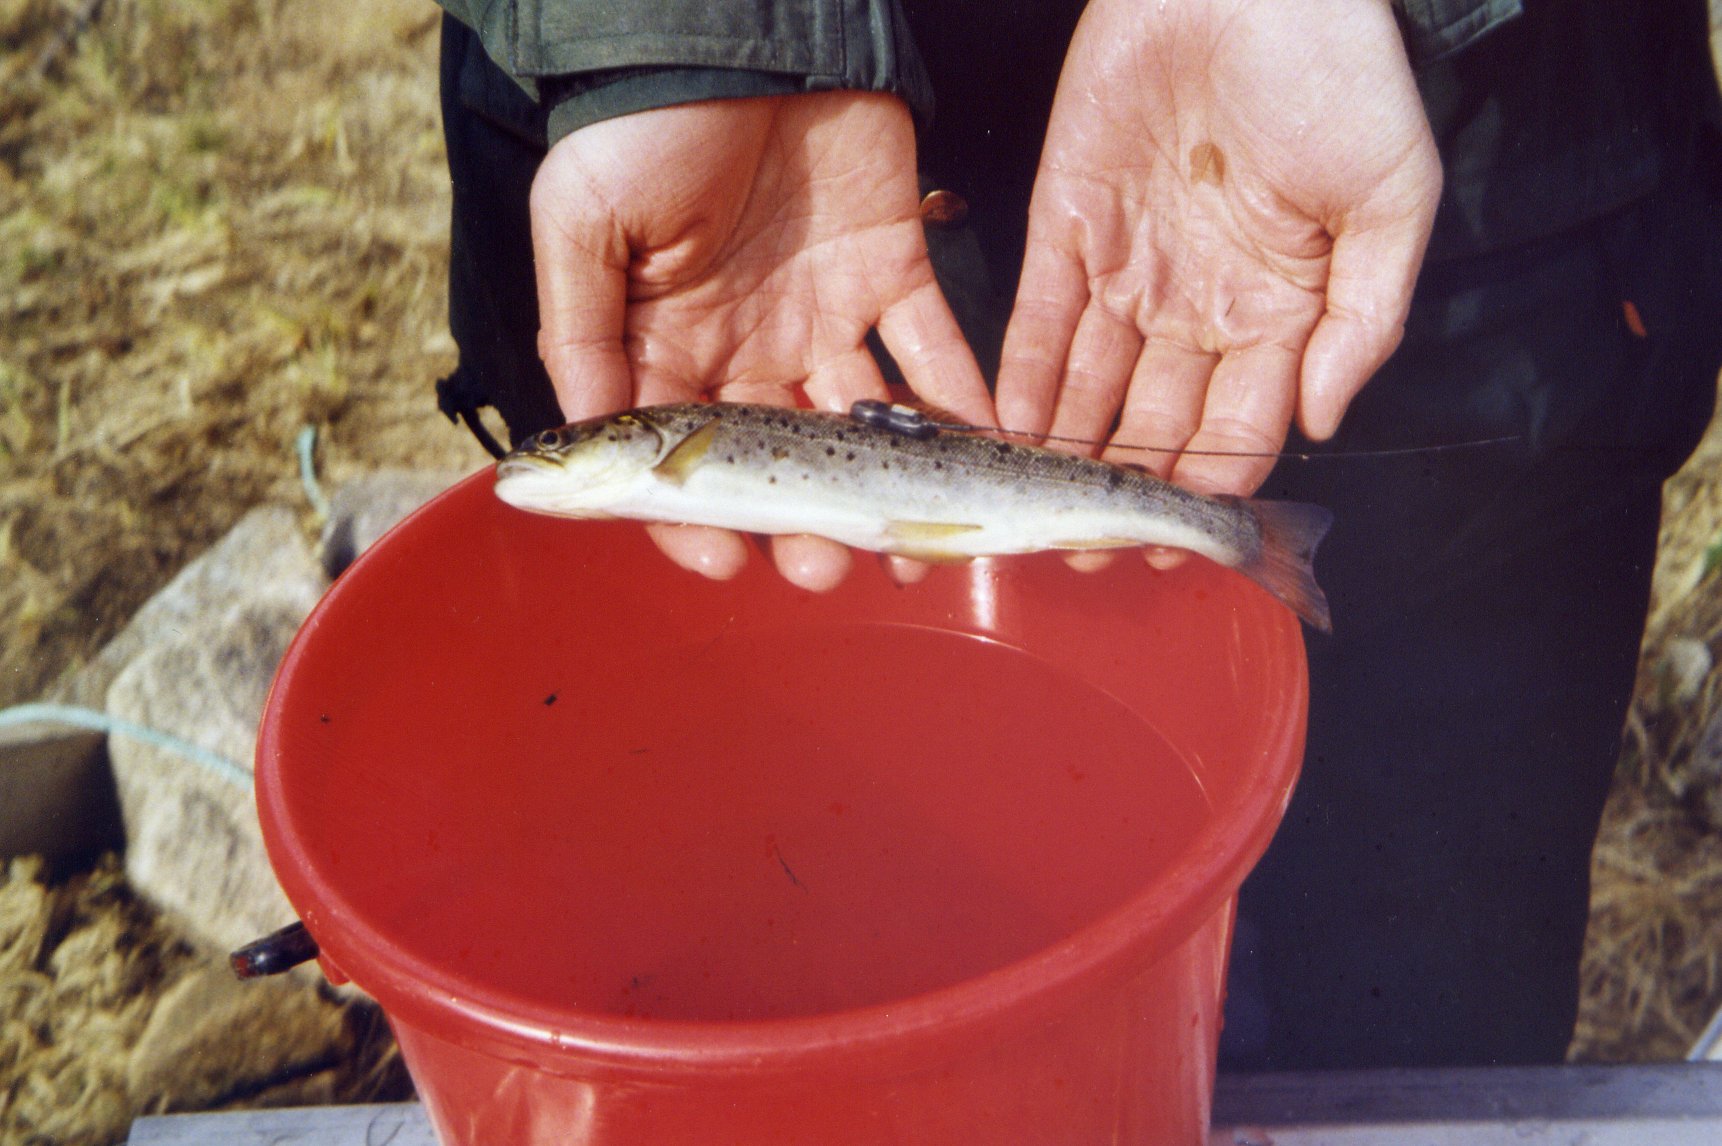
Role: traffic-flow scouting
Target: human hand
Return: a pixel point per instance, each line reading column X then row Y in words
column 740, row 249
column 1231, row 208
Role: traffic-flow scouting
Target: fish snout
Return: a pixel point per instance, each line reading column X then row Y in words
column 523, row 461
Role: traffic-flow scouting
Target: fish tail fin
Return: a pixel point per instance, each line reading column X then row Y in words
column 1291, row 530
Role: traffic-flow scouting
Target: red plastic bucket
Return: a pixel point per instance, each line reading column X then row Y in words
column 628, row 856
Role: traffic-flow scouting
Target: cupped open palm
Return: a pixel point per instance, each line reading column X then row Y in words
column 1230, row 211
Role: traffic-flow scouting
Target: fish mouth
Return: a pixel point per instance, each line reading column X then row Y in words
column 523, row 463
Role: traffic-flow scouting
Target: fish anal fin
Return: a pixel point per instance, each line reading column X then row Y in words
column 685, row 457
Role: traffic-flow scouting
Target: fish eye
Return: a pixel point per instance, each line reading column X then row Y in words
column 550, row 440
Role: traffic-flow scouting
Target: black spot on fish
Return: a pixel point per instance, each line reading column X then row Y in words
column 772, row 480
column 850, row 456
column 830, row 451
column 730, row 458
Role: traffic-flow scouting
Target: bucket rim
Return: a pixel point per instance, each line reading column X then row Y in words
column 1119, row 944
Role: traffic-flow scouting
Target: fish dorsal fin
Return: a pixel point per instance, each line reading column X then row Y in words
column 685, row 457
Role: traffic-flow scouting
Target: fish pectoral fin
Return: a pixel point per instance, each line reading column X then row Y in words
column 685, row 457
column 1097, row 543
column 923, row 540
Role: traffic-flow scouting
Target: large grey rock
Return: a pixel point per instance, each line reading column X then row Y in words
column 196, row 663
column 56, row 792
column 201, row 656
column 367, row 507
column 189, row 1055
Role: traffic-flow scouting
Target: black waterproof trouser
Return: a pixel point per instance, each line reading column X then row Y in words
column 1426, row 899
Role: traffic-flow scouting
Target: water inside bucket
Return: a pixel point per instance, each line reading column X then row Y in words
column 758, row 825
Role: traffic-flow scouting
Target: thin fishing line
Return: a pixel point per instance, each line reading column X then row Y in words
column 910, row 422
column 1394, row 452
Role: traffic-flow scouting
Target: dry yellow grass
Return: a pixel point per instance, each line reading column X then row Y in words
column 1653, row 960
column 219, row 222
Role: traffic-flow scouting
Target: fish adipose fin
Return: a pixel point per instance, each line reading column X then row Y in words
column 685, row 457
column 1291, row 530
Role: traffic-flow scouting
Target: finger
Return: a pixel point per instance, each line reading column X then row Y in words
column 1369, row 290
column 813, row 563
column 1043, row 321
column 1359, row 330
column 904, row 570
column 1103, row 353
column 923, row 336
column 842, row 380
column 716, row 553
column 761, row 391
column 581, row 264
column 1089, row 560
column 1249, row 408
column 663, row 370
column 1164, row 406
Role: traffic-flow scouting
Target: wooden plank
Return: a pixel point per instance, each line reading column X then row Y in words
column 1482, row 1094
column 1673, row 1105
column 391, row 1124
column 1586, row 1132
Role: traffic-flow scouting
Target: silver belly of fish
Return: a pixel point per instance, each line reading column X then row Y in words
column 950, row 496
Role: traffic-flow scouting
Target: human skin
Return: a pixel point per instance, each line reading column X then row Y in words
column 741, row 250
column 1231, row 207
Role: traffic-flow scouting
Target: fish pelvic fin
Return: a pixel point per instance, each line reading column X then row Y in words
column 923, row 540
column 910, row 532
column 1284, row 566
column 685, row 457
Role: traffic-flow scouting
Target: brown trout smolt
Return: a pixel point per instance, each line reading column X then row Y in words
column 940, row 497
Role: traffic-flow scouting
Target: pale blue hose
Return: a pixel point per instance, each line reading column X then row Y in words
column 98, row 721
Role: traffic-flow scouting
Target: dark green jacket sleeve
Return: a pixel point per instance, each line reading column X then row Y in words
column 595, row 59
column 1435, row 29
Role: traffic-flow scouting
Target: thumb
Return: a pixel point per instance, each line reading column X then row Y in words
column 1372, row 274
column 580, row 255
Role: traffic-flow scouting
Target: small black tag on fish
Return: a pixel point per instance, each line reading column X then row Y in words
column 900, row 420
